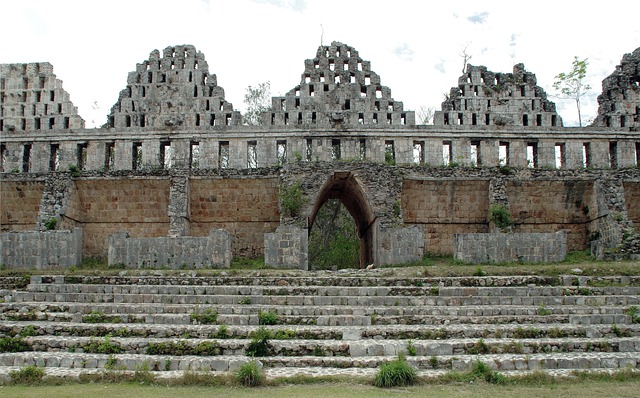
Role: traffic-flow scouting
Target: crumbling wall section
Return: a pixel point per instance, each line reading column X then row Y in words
column 172, row 91
column 33, row 100
column 485, row 98
column 212, row 251
column 338, row 89
column 39, row 250
column 619, row 103
column 510, row 247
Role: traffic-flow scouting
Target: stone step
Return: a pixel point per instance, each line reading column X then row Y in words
column 503, row 362
column 619, row 300
column 347, row 333
column 341, row 278
column 291, row 310
column 358, row 348
column 368, row 291
column 339, row 320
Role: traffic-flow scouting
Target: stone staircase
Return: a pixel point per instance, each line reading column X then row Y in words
column 325, row 323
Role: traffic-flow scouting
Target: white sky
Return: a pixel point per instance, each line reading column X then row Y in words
column 413, row 45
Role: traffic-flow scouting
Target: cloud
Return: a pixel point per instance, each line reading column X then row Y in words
column 404, row 52
column 295, row 5
column 440, row 66
column 479, row 18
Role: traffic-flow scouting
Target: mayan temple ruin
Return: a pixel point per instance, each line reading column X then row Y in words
column 174, row 187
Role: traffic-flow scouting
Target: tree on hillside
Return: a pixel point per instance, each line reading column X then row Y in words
column 258, row 100
column 571, row 84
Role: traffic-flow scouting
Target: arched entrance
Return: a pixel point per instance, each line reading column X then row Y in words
column 345, row 187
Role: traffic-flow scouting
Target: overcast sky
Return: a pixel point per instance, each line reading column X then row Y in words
column 415, row 46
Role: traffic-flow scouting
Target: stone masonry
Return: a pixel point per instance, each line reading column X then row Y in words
column 174, row 161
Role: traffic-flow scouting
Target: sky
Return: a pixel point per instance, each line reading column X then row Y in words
column 415, row 46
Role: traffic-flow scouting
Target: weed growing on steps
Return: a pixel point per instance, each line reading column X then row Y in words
column 29, row 375
column 250, row 374
column 396, row 373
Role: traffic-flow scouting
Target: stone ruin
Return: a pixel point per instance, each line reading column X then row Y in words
column 172, row 91
column 619, row 103
column 33, row 100
column 338, row 89
column 485, row 98
column 173, row 163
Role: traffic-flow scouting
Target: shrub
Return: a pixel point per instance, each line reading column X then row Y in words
column 28, row 330
column 28, row 375
column 51, row 223
column 250, row 374
column 395, row 373
column 207, row 317
column 291, row 199
column 259, row 345
column 223, row 332
column 481, row 370
column 267, row 317
column 500, row 216
column 13, row 344
column 411, row 349
column 480, row 347
column 102, row 347
column 99, row 317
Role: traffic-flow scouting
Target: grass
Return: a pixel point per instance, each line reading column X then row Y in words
column 533, row 388
column 430, row 266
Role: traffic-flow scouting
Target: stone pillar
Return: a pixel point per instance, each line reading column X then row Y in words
column 288, row 247
column 178, row 210
column 123, row 151
column 96, row 155
column 626, row 154
column 489, row 153
column 546, row 154
column 574, row 154
column 399, row 245
column 518, row 153
column 151, row 154
column 600, row 154
column 40, row 155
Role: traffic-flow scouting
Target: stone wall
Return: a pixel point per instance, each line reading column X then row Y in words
column 213, row 250
column 632, row 199
column 104, row 206
column 35, row 249
column 246, row 207
column 20, row 204
column 550, row 206
column 443, row 207
column 510, row 247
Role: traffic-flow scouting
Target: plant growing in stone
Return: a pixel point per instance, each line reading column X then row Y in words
column 267, row 317
column 50, row 224
column 250, row 374
column 206, row 317
column 28, row 375
column 259, row 345
column 396, row 373
column 571, row 85
column 500, row 216
column 291, row 199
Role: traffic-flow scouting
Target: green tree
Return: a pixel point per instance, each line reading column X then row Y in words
column 334, row 242
column 571, row 85
column 258, row 100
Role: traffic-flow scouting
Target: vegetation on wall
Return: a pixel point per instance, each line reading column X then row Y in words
column 291, row 199
column 500, row 216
